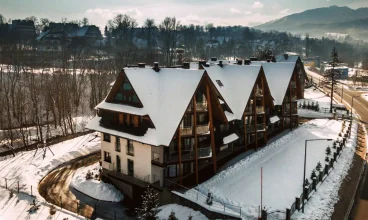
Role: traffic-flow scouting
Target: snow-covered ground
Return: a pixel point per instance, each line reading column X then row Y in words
column 181, row 212
column 282, row 162
column 313, row 95
column 31, row 132
column 93, row 187
column 365, row 96
column 30, row 167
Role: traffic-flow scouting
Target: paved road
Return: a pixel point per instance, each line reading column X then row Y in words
column 360, row 106
column 55, row 187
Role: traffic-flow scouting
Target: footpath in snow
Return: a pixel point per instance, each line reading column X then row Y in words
column 94, row 187
column 282, row 163
column 29, row 167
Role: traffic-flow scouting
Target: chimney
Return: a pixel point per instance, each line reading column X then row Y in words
column 240, row 62
column 220, row 63
column 186, row 65
column 141, row 65
column 247, row 62
column 155, row 67
column 253, row 59
column 201, row 64
column 286, row 56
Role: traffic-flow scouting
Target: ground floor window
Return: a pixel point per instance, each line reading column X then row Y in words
column 107, row 156
column 130, row 167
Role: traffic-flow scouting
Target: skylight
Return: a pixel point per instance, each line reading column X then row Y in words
column 219, row 83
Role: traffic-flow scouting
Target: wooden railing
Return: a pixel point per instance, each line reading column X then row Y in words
column 202, row 129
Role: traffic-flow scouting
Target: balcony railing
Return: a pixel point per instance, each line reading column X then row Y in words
column 204, row 152
column 202, row 129
column 260, row 109
column 186, row 131
column 259, row 92
column 248, row 110
column 293, row 85
column 201, row 106
column 260, row 127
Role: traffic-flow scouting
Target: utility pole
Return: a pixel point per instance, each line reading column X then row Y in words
column 335, row 62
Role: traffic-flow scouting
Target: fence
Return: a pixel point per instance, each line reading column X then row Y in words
column 322, row 175
column 206, row 202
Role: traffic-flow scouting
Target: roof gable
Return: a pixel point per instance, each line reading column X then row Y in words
column 165, row 96
column 278, row 76
column 238, row 82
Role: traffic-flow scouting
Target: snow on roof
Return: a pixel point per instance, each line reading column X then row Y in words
column 278, row 76
column 290, row 58
column 121, row 108
column 229, row 116
column 150, row 137
column 221, row 102
column 165, row 96
column 82, row 31
column 230, row 138
column 237, row 81
column 274, row 119
column 112, row 84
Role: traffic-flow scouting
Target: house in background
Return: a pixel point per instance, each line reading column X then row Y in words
column 157, row 124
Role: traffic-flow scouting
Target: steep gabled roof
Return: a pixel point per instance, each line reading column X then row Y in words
column 165, row 96
column 278, row 76
column 236, row 84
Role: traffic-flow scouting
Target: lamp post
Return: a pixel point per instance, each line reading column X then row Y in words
column 305, row 163
column 352, row 104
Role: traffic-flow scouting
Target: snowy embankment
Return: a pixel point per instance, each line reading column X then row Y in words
column 314, row 96
column 94, row 187
column 31, row 166
column 282, row 162
column 181, row 212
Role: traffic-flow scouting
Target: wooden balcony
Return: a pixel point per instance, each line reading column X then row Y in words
column 203, row 129
column 260, row 110
column 186, row 131
column 260, row 127
column 201, row 106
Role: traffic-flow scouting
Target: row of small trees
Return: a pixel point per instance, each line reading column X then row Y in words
column 308, row 105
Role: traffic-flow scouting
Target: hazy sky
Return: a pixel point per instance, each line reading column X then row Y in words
column 234, row 12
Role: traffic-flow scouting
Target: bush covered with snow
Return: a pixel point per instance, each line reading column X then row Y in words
column 87, row 181
column 181, row 212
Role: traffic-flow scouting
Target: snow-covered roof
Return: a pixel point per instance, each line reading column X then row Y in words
column 288, row 58
column 230, row 138
column 164, row 95
column 122, row 108
column 274, row 119
column 235, row 86
column 278, row 76
column 82, row 31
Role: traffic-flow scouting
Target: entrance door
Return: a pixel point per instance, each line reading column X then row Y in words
column 118, row 163
column 130, row 167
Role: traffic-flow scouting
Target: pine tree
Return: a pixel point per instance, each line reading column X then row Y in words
column 150, row 203
column 328, row 151
column 304, row 105
column 172, row 216
column 317, row 107
column 308, row 106
column 334, row 145
column 306, row 183
column 327, row 159
column 319, row 166
column 312, row 106
column 313, row 174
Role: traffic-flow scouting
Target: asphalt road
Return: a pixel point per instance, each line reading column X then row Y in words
column 360, row 107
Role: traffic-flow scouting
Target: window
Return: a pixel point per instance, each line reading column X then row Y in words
column 126, row 85
column 187, row 121
column 156, row 156
column 130, row 167
column 219, row 83
column 199, row 97
column 107, row 157
column 135, row 99
column 106, row 137
column 117, row 144
column 130, row 148
column 118, row 163
column 188, row 144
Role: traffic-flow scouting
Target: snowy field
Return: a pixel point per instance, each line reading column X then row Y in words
column 282, row 162
column 181, row 212
column 313, row 95
column 365, row 96
column 93, row 187
column 29, row 168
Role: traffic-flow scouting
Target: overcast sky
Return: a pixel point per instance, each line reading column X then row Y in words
column 234, row 12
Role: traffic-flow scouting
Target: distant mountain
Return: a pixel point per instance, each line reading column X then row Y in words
column 321, row 20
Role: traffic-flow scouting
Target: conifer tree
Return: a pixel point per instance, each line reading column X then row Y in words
column 328, row 151
column 150, row 203
column 172, row 216
column 319, row 166
column 313, row 174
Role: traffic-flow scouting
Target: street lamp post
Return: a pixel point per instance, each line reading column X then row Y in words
column 305, row 163
column 352, row 104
